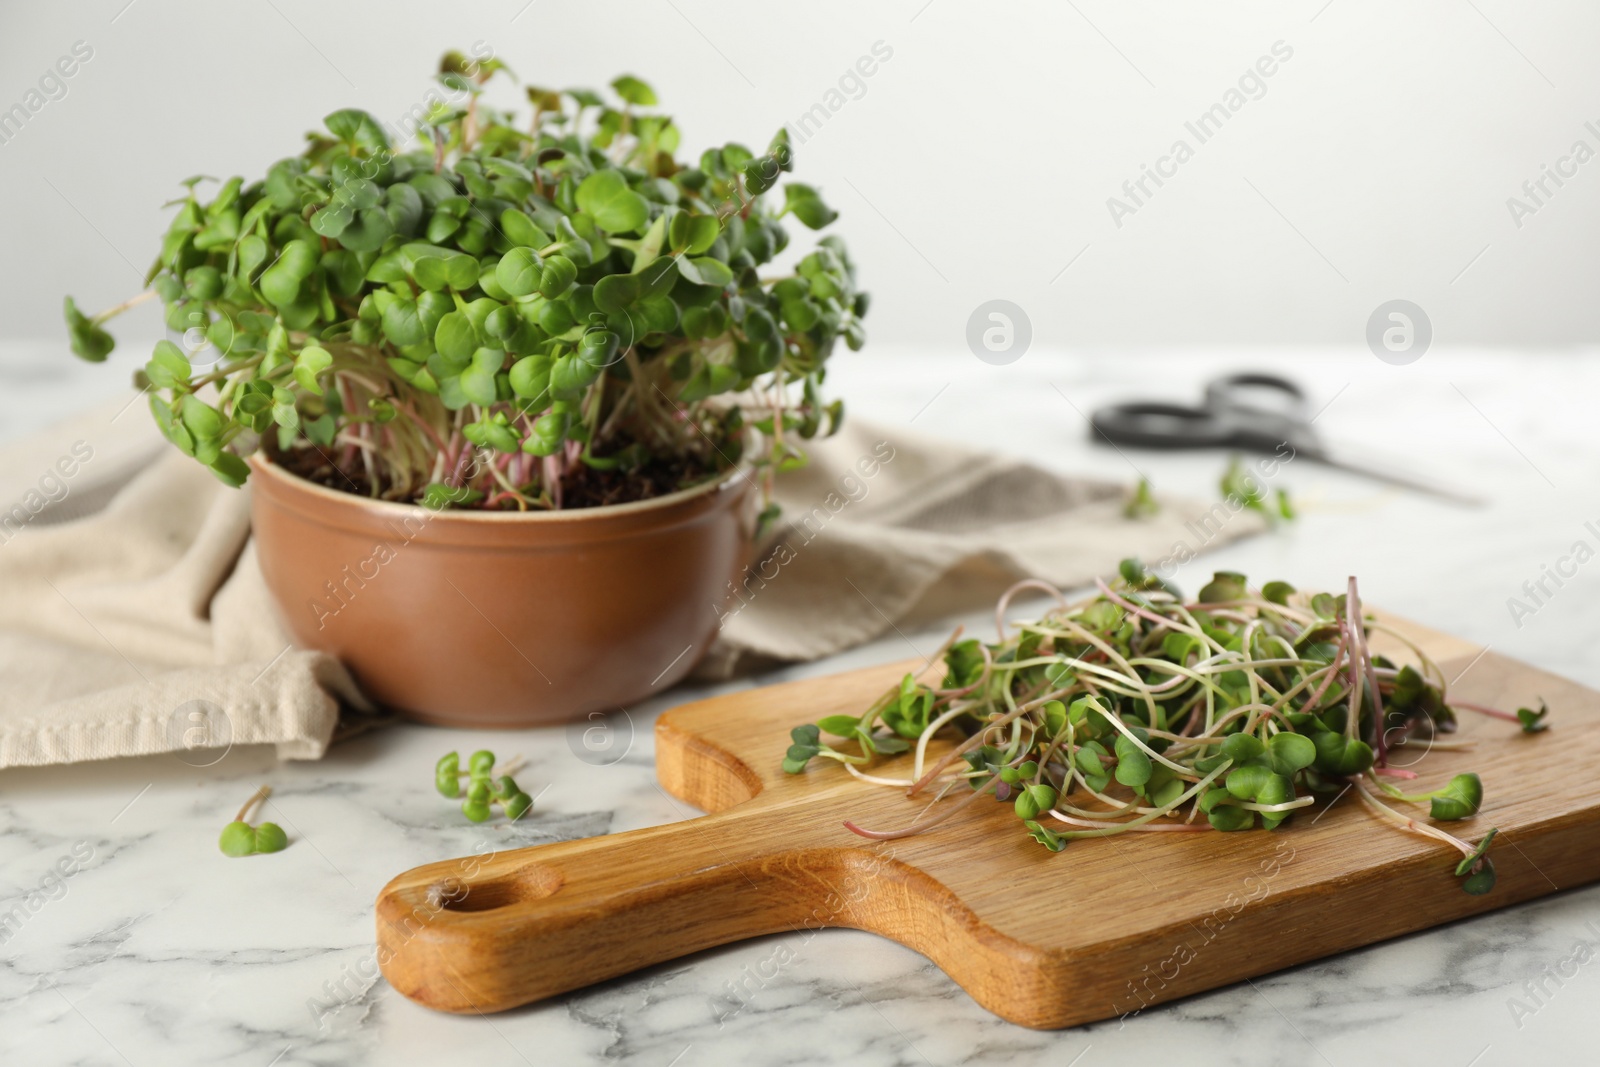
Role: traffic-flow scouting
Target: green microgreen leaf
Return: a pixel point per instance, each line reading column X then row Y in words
column 1230, row 818
column 705, row 271
column 806, row 205
column 1477, row 869
column 484, row 788
column 839, row 725
column 1133, row 766
column 1277, row 789
column 1533, row 721
column 1224, row 586
column 446, row 775
column 271, row 838
column 1461, row 799
column 520, row 272
column 1245, row 781
column 1141, row 502
column 615, row 208
column 89, row 341
column 1289, row 753
column 310, row 363
column 1277, row 592
column 1050, row 840
column 240, row 838
column 1034, row 799
column 634, row 91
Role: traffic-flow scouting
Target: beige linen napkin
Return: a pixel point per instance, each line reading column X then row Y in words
column 133, row 617
column 885, row 529
column 134, row 620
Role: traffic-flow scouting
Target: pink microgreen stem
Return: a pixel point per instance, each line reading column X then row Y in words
column 918, row 827
column 1005, row 600
column 1481, row 709
column 1128, row 606
column 1353, row 610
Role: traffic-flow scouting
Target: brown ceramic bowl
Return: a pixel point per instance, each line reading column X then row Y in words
column 466, row 618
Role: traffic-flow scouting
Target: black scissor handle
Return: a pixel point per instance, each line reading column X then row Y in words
column 1234, row 391
column 1148, row 424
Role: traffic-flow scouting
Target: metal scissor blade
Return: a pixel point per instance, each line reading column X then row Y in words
column 1382, row 472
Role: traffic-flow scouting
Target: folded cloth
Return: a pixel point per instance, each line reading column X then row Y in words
column 134, row 619
column 883, row 529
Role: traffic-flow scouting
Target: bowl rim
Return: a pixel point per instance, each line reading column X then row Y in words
column 262, row 464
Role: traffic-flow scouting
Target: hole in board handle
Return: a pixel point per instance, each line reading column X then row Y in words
column 530, row 883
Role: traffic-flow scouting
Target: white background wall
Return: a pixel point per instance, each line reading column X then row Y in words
column 976, row 164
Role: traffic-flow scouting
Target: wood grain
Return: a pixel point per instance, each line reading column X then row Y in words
column 1105, row 928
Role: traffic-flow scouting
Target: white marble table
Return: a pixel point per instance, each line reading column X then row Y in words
column 161, row 951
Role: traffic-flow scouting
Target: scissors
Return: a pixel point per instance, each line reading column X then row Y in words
column 1254, row 412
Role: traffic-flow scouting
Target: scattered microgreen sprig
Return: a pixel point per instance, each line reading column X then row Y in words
column 1533, row 721
column 239, row 838
column 484, row 788
column 1140, row 503
column 1136, row 709
column 1237, row 483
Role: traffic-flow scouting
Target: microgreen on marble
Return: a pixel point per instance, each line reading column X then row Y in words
column 239, row 838
column 1140, row 503
column 484, row 788
column 1238, row 484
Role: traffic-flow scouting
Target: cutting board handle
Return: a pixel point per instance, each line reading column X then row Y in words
column 490, row 932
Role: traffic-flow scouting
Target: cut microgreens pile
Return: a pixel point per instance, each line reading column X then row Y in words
column 1138, row 710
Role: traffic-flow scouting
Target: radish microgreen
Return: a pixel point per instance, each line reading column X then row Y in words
column 239, row 838
column 487, row 309
column 1137, row 710
column 484, row 789
column 1533, row 721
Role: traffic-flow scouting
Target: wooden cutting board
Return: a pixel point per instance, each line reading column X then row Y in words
column 1107, row 927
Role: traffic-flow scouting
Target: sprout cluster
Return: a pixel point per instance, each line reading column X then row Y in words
column 1136, row 709
column 515, row 299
